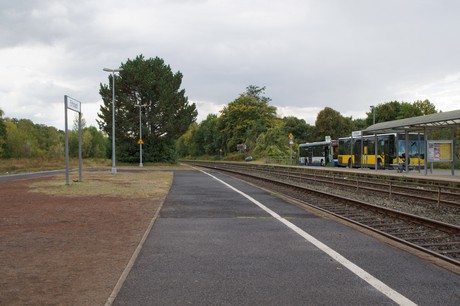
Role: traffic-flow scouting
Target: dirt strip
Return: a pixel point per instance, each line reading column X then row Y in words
column 68, row 250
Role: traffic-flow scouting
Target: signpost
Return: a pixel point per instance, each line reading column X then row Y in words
column 140, row 142
column 291, row 142
column 75, row 105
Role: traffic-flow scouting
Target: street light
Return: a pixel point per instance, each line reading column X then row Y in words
column 140, row 133
column 373, row 114
column 114, row 169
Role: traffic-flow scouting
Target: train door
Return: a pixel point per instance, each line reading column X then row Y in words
column 357, row 152
column 369, row 152
column 309, row 156
column 335, row 152
column 344, row 152
column 388, row 151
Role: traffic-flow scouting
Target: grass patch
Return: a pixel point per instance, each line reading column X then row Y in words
column 23, row 165
column 139, row 185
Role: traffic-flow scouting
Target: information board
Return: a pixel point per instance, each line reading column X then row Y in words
column 440, row 150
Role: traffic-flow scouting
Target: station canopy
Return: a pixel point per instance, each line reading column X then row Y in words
column 433, row 121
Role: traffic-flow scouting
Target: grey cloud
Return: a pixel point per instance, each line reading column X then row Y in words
column 344, row 54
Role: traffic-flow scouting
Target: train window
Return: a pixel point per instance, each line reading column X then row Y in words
column 371, row 146
column 344, row 146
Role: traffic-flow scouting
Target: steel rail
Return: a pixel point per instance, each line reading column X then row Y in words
column 435, row 192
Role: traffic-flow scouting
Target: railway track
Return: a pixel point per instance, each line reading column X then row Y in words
column 439, row 239
column 428, row 193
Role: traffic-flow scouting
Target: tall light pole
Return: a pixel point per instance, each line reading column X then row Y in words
column 373, row 114
column 140, row 134
column 114, row 169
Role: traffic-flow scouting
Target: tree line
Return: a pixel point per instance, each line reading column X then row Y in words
column 249, row 122
column 21, row 138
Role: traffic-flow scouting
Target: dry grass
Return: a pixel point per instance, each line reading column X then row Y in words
column 18, row 165
column 22, row 165
column 138, row 185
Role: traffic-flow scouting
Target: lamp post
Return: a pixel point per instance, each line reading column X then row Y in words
column 114, row 169
column 140, row 134
column 373, row 114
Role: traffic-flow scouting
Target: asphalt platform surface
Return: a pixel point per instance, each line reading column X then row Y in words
column 211, row 245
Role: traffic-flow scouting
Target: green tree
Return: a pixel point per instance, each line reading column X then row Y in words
column 96, row 143
column 395, row 110
column 73, row 136
column 50, row 141
column 166, row 114
column 3, row 136
column 273, row 142
column 245, row 118
column 20, row 138
column 197, row 141
column 13, row 139
column 211, row 139
column 385, row 112
column 425, row 107
column 201, row 139
column 330, row 122
column 184, row 143
column 26, row 139
column 359, row 124
column 28, row 142
column 302, row 131
column 408, row 110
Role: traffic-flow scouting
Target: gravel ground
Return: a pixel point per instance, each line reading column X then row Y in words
column 416, row 207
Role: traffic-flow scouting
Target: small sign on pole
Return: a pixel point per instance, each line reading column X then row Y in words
column 73, row 104
column 291, row 142
column 356, row 134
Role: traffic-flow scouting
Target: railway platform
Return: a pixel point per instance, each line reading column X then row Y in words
column 439, row 175
column 220, row 241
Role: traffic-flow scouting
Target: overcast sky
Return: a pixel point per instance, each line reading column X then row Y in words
column 344, row 54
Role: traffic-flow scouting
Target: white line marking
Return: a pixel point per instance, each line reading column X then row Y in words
column 374, row 282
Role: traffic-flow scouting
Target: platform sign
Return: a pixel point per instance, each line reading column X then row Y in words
column 73, row 104
column 356, row 134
